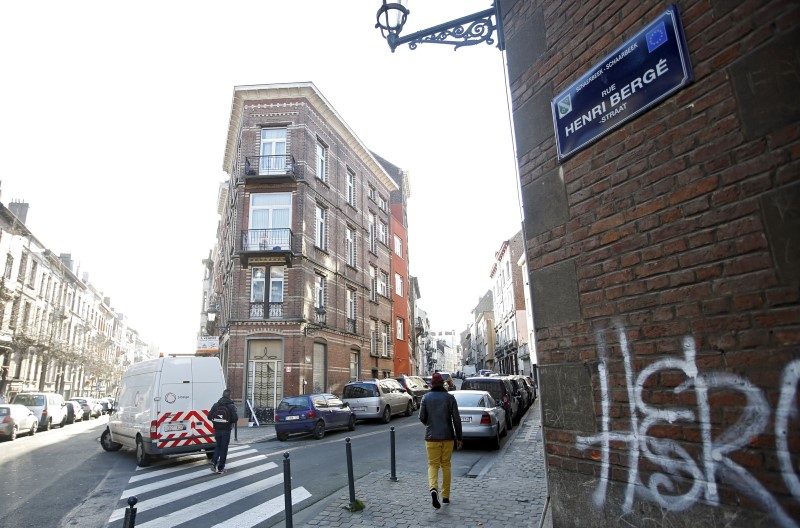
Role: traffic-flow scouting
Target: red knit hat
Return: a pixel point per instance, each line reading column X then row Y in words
column 437, row 380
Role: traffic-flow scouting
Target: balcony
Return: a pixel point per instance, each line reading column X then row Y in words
column 258, row 247
column 266, row 310
column 279, row 167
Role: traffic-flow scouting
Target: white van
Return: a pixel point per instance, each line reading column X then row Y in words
column 162, row 407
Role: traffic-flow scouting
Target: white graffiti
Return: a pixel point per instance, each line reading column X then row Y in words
column 682, row 479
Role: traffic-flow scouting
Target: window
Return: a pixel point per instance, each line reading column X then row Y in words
column 351, row 303
column 276, row 284
column 355, row 364
column 269, row 222
column 257, row 284
column 350, row 241
column 383, row 284
column 383, row 232
column 400, row 329
column 382, row 203
column 372, row 220
column 319, row 291
column 273, row 151
column 320, row 368
column 373, row 283
column 9, row 265
column 32, row 275
column 371, row 193
column 322, row 161
column 320, row 235
column 385, row 340
column 398, row 246
column 23, row 267
column 351, row 187
column 398, row 285
column 373, row 338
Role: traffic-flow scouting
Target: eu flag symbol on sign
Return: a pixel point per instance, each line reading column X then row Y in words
column 656, row 37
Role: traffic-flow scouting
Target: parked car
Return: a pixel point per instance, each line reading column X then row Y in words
column 482, row 416
column 16, row 419
column 377, row 399
column 415, row 386
column 91, row 407
column 312, row 413
column 49, row 407
column 501, row 390
column 531, row 389
column 521, row 393
column 74, row 411
column 106, row 404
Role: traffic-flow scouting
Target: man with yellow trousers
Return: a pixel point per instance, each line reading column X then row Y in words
column 439, row 412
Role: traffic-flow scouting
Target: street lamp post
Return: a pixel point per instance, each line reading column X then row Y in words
column 465, row 31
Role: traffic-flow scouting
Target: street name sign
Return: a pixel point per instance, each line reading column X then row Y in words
column 643, row 71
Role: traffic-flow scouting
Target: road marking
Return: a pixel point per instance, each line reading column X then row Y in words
column 265, row 510
column 203, row 461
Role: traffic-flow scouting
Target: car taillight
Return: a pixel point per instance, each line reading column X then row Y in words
column 277, row 418
column 311, row 414
column 153, row 430
column 7, row 419
column 486, row 419
column 44, row 414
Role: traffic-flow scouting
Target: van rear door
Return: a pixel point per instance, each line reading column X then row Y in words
column 175, row 410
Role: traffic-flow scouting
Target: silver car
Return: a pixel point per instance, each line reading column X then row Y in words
column 16, row 419
column 481, row 416
column 50, row 408
column 377, row 399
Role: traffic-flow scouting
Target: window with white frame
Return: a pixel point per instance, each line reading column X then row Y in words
column 371, row 193
column 322, row 161
column 32, row 275
column 373, row 283
column 321, row 222
column 273, row 151
column 319, row 291
column 269, row 223
column 257, row 284
column 23, row 267
column 383, row 232
column 9, row 266
column 398, row 246
column 373, row 338
column 350, row 246
column 382, row 203
column 400, row 330
column 351, row 187
column 351, row 304
column 276, row 283
column 398, row 284
column 355, row 365
column 385, row 339
column 372, row 232
column 383, row 283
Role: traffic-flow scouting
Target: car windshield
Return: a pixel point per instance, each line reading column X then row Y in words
column 290, row 404
column 31, row 400
column 360, row 390
column 469, row 400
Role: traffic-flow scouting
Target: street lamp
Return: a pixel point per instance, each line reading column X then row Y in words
column 465, row 31
column 319, row 325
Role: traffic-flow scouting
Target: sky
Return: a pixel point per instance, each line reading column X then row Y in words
column 113, row 119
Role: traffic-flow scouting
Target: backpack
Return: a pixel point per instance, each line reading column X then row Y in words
column 221, row 415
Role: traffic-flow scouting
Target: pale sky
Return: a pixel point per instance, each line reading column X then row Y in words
column 113, row 118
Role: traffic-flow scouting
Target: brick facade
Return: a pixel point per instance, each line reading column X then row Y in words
column 664, row 265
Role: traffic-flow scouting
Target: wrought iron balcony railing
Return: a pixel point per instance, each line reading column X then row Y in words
column 266, row 310
column 269, row 166
column 350, row 326
column 267, row 240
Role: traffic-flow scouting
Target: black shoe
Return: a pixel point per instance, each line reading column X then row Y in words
column 446, row 501
column 435, row 499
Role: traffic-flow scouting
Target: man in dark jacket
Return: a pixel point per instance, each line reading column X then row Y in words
column 439, row 412
column 222, row 414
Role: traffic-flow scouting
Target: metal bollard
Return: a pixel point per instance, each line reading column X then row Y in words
column 350, row 480
column 130, row 513
column 393, row 478
column 287, row 489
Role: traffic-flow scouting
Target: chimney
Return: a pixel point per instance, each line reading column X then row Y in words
column 85, row 277
column 66, row 259
column 20, row 210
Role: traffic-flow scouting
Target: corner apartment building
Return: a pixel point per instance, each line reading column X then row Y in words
column 510, row 322
column 302, row 274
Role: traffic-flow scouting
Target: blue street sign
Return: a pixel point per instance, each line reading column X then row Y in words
column 635, row 77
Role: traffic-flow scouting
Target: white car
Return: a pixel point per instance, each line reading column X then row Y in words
column 376, row 398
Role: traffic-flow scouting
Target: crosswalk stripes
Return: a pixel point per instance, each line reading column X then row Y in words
column 171, row 493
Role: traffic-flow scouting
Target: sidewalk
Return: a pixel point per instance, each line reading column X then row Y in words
column 506, row 488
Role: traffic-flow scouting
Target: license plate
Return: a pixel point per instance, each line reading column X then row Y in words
column 359, row 408
column 466, row 418
column 292, row 417
column 175, row 427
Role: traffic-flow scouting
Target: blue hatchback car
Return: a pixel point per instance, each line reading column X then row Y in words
column 312, row 413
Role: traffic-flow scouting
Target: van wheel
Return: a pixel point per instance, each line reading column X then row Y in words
column 107, row 444
column 387, row 415
column 351, row 425
column 409, row 409
column 142, row 458
column 319, row 430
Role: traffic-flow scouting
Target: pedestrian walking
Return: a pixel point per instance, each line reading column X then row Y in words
column 223, row 414
column 439, row 412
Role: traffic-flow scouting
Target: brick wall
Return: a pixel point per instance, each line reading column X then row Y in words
column 665, row 267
